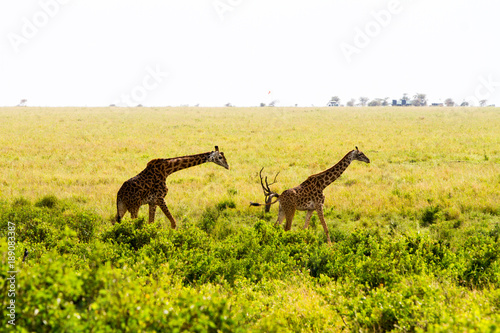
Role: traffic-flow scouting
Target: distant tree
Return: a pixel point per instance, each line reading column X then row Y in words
column 449, row 102
column 464, row 103
column 405, row 97
column 262, row 104
column 335, row 99
column 385, row 101
column 273, row 103
column 483, row 102
column 22, row 102
column 228, row 105
column 363, row 100
column 351, row 102
column 420, row 99
column 375, row 102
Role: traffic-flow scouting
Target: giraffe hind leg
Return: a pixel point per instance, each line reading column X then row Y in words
column 281, row 216
column 164, row 208
column 308, row 218
column 134, row 212
column 289, row 214
column 152, row 211
column 319, row 210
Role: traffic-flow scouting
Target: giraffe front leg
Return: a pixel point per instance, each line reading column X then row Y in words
column 319, row 210
column 152, row 211
column 308, row 218
column 281, row 216
column 121, row 209
column 164, row 208
column 289, row 214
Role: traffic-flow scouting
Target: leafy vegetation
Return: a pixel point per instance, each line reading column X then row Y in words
column 416, row 233
column 136, row 276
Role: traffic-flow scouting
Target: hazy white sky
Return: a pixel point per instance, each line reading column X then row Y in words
column 211, row 52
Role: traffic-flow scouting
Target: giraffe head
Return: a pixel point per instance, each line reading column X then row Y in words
column 359, row 156
column 218, row 158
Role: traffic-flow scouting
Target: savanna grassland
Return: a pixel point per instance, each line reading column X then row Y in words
column 416, row 231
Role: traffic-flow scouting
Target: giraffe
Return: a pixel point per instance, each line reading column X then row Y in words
column 149, row 187
column 309, row 195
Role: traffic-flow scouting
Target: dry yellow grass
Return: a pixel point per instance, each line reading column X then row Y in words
column 420, row 156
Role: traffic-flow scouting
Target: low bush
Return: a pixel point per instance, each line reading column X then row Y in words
column 84, row 275
column 135, row 234
column 48, row 201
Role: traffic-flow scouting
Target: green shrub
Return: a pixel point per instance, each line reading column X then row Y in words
column 48, row 201
column 134, row 234
column 222, row 275
column 209, row 219
column 225, row 204
column 84, row 224
column 21, row 202
column 39, row 224
column 413, row 304
column 430, row 216
column 481, row 267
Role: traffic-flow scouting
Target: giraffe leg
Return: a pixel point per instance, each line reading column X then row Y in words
column 289, row 214
column 319, row 210
column 308, row 218
column 281, row 216
column 121, row 211
column 164, row 208
column 134, row 211
column 152, row 211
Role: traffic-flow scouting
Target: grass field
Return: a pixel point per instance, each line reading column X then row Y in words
column 419, row 157
column 434, row 173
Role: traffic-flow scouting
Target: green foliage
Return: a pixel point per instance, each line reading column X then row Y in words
column 215, row 220
column 430, row 215
column 225, row 204
column 212, row 275
column 21, row 202
column 482, row 267
column 135, row 234
column 209, row 219
column 85, row 224
column 45, row 222
column 48, row 201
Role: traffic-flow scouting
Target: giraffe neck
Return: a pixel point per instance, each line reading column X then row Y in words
column 325, row 178
column 171, row 165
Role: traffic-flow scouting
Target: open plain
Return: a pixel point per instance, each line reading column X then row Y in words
column 416, row 231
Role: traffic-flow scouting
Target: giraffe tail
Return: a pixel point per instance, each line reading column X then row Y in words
column 275, row 195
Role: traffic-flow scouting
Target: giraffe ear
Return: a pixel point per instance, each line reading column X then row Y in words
column 216, row 148
column 357, row 148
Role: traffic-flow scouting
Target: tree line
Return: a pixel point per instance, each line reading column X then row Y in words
column 419, row 99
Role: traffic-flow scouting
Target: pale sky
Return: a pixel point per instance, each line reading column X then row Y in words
column 244, row 52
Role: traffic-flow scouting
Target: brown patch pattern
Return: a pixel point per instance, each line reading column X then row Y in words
column 309, row 195
column 149, row 186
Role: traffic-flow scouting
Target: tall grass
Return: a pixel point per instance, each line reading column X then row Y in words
column 420, row 157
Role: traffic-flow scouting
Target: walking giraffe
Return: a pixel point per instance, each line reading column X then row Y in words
column 309, row 195
column 149, row 186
